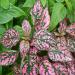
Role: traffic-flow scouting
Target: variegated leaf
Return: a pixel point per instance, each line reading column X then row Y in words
column 33, row 56
column 71, row 30
column 29, row 65
column 71, row 44
column 29, row 70
column 42, row 40
column 26, row 28
column 60, row 69
column 62, row 26
column 24, row 48
column 44, row 21
column 71, row 67
column 46, row 68
column 61, row 52
column 10, row 38
column 16, row 70
column 8, row 58
column 36, row 10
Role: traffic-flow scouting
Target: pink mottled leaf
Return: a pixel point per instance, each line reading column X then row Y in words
column 24, row 48
column 45, row 68
column 10, row 38
column 26, row 28
column 61, row 52
column 36, row 10
column 44, row 20
column 40, row 16
column 33, row 56
column 60, row 69
column 16, row 70
column 42, row 40
column 71, row 67
column 71, row 44
column 29, row 70
column 8, row 58
column 29, row 65
column 62, row 26
column 71, row 30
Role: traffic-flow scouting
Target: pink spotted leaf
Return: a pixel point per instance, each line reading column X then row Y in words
column 71, row 30
column 62, row 26
column 71, row 67
column 16, row 70
column 26, row 28
column 29, row 70
column 8, row 58
column 60, row 68
column 36, row 10
column 61, row 52
column 45, row 68
column 44, row 21
column 29, row 65
column 24, row 48
column 42, row 40
column 71, row 44
column 10, row 38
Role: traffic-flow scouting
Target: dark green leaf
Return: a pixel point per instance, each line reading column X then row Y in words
column 0, row 70
column 11, row 73
column 4, row 4
column 58, row 14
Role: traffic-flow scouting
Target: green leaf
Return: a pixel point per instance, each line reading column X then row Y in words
column 73, row 3
column 15, row 11
column 4, row 16
column 4, row 4
column 12, row 1
column 43, row 2
column 71, row 17
column 29, row 3
column 2, row 48
column 11, row 73
column 69, row 5
column 60, row 0
column 2, row 30
column 19, row 29
column 58, row 14
column 0, row 70
column 7, row 15
column 51, row 4
column 29, row 69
